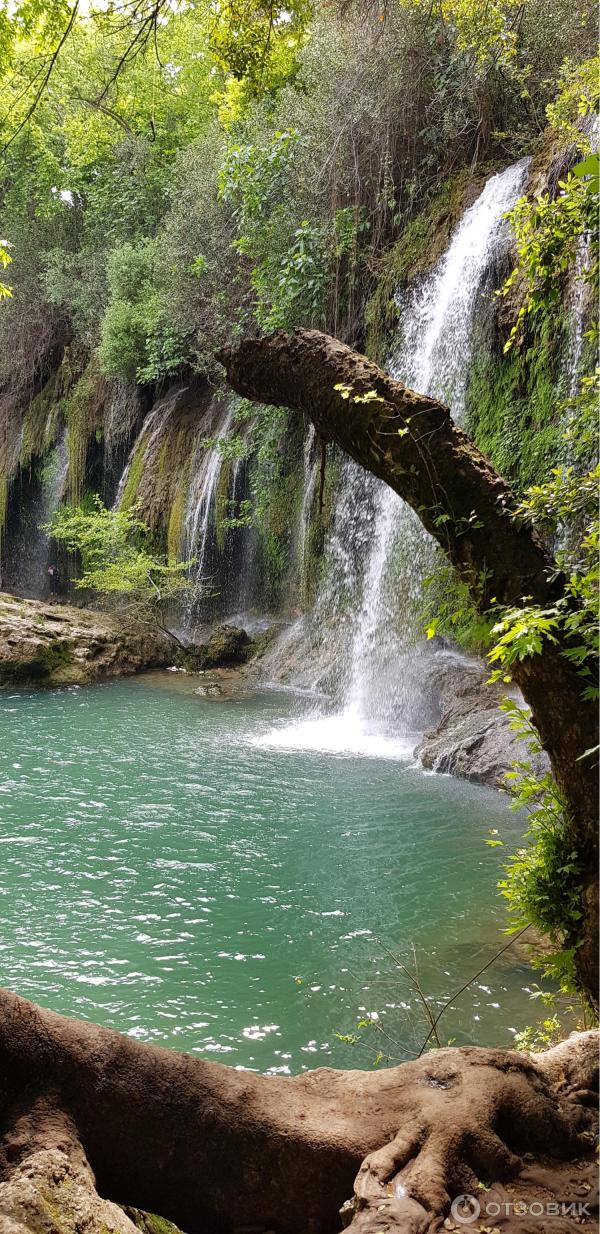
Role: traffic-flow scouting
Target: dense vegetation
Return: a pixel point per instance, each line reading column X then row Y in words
column 175, row 177
column 164, row 194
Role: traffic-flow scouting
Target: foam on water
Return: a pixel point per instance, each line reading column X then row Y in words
column 342, row 733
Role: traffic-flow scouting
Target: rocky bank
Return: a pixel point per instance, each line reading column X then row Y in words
column 472, row 738
column 55, row 644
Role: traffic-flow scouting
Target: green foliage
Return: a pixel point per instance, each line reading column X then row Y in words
column 5, row 260
column 543, row 883
column 576, row 98
column 547, row 233
column 571, row 498
column 117, row 560
column 135, row 345
column 327, row 151
column 541, row 1036
column 290, row 281
column 521, row 632
column 257, row 44
column 543, row 877
column 447, row 609
column 549, row 229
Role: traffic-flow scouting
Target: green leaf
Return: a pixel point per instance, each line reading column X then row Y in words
column 589, row 167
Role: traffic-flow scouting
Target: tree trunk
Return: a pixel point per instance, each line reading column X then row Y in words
column 220, row 1150
column 411, row 442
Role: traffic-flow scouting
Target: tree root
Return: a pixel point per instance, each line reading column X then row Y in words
column 220, row 1151
column 473, row 1117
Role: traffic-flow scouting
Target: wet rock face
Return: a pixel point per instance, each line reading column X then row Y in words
column 226, row 646
column 472, row 739
column 54, row 644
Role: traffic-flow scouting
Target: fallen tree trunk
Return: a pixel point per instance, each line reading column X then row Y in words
column 219, row 1150
column 410, row 441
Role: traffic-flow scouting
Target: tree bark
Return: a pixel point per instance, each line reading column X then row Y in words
column 225, row 1151
column 410, row 441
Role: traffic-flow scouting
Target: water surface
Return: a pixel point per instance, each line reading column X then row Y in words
column 171, row 869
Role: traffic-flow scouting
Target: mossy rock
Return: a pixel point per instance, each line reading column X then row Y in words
column 227, row 646
column 514, row 403
column 50, row 660
column 150, row 1223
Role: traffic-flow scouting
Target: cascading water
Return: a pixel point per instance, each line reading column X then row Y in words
column 378, row 552
column 308, row 492
column 26, row 570
column 150, row 432
column 200, row 510
column 578, row 303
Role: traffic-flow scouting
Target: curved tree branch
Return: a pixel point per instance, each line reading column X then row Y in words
column 411, row 442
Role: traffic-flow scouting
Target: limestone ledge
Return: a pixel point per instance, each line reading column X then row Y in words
column 56, row 644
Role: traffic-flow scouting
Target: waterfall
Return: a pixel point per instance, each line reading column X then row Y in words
column 199, row 519
column 433, row 358
column 205, row 432
column 378, row 552
column 439, row 316
column 308, row 491
column 146, row 440
column 28, row 559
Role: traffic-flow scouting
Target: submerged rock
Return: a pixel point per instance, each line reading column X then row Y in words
column 472, row 738
column 211, row 690
column 55, row 644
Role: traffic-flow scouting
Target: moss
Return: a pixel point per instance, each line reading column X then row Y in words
column 277, row 529
column 40, row 422
column 159, row 476
column 150, row 1223
column 129, row 495
column 176, row 517
column 161, row 462
column 513, row 405
column 320, row 520
column 55, row 654
column 84, row 410
column 422, row 241
column 222, row 503
column 276, row 477
column 50, row 659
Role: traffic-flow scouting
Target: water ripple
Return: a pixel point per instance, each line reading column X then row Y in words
column 217, row 878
